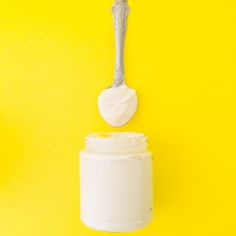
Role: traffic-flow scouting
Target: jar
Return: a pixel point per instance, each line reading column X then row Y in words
column 116, row 182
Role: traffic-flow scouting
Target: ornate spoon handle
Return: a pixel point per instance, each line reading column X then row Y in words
column 120, row 12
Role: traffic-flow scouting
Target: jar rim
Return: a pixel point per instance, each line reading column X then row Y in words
column 116, row 142
column 116, row 136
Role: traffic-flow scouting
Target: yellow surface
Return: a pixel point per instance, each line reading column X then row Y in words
column 55, row 58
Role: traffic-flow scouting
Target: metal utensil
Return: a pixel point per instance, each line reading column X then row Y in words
column 120, row 12
column 118, row 103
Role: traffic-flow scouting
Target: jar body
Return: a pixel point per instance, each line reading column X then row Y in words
column 116, row 190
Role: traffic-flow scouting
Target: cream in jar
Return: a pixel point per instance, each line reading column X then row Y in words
column 116, row 181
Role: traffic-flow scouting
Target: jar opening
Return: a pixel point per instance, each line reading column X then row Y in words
column 116, row 142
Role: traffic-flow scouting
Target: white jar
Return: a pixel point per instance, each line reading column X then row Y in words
column 116, row 182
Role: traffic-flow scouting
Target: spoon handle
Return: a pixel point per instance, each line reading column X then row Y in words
column 120, row 12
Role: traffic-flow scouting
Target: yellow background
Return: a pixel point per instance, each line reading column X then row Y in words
column 55, row 58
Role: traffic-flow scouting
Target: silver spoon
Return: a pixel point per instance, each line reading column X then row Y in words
column 118, row 103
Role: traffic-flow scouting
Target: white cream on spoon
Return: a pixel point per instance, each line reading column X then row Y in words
column 118, row 103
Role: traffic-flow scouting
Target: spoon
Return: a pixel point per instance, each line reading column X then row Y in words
column 118, row 103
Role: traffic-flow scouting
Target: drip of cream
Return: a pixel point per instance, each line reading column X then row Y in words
column 117, row 105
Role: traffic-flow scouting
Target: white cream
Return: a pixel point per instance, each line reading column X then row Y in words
column 116, row 182
column 117, row 105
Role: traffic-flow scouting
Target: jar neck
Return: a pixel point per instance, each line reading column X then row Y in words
column 116, row 142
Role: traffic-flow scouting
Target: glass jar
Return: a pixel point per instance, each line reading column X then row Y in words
column 116, row 182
